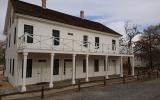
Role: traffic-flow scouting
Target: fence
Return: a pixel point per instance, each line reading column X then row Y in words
column 141, row 74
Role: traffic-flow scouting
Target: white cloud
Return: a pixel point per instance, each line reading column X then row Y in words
column 114, row 12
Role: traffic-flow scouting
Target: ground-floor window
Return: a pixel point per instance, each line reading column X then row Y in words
column 56, row 67
column 13, row 67
column 29, row 68
column 104, row 65
column 10, row 66
column 96, row 65
column 84, row 65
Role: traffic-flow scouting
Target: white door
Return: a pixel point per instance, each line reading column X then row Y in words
column 68, row 70
column 112, row 67
column 41, row 72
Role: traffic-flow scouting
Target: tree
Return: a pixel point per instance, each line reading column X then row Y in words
column 130, row 32
column 2, row 52
column 148, row 47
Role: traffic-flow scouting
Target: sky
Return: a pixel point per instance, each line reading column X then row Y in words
column 112, row 13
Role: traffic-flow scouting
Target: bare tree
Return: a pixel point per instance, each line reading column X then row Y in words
column 130, row 32
column 148, row 48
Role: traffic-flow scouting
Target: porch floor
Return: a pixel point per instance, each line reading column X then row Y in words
column 64, row 83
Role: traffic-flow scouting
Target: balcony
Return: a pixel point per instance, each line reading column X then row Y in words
column 69, row 45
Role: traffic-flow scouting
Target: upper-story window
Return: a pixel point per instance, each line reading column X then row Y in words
column 56, row 36
column 113, row 45
column 28, row 29
column 15, row 33
column 85, row 41
column 96, row 42
column 9, row 40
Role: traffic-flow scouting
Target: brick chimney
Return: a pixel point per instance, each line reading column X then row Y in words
column 44, row 3
column 82, row 14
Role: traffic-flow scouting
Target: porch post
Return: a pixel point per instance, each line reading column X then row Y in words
column 51, row 70
column 106, row 65
column 87, row 68
column 73, row 69
column 25, row 54
column 121, row 66
column 133, row 66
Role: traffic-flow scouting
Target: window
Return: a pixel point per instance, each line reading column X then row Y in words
column 13, row 67
column 96, row 42
column 29, row 30
column 104, row 65
column 64, row 71
column 113, row 45
column 6, row 42
column 56, row 35
column 10, row 66
column 85, row 41
column 29, row 68
column 96, row 65
column 15, row 31
column 9, row 40
column 70, row 34
column 84, row 66
column 56, row 67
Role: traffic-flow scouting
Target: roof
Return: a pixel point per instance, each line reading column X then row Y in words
column 37, row 11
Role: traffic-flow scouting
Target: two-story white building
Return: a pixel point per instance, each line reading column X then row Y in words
column 44, row 45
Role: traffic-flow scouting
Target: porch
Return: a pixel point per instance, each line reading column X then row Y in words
column 54, row 67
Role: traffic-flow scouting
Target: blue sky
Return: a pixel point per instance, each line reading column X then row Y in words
column 112, row 13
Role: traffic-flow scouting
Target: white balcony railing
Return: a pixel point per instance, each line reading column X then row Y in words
column 47, row 43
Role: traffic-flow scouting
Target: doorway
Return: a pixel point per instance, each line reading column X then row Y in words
column 41, row 72
column 68, row 69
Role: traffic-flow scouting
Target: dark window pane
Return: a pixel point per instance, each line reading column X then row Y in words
column 104, row 65
column 84, row 66
column 13, row 68
column 96, row 42
column 29, row 68
column 56, row 35
column 15, row 32
column 56, row 67
column 29, row 30
column 113, row 44
column 85, row 41
column 10, row 66
column 96, row 65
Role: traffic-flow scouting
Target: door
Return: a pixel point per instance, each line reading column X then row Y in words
column 68, row 69
column 41, row 71
column 114, row 66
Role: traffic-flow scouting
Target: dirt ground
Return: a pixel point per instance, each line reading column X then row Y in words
column 146, row 90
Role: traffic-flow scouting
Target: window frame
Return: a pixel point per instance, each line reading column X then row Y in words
column 29, row 29
column 84, row 65
column 56, row 67
column 56, row 36
column 96, row 65
column 85, row 41
column 13, row 62
column 15, row 35
column 113, row 45
column 29, row 71
column 97, row 42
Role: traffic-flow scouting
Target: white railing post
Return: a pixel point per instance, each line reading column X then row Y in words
column 40, row 41
column 73, row 45
column 25, row 40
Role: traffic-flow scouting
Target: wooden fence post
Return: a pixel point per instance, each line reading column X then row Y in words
column 42, row 92
column 79, row 85
column 104, row 81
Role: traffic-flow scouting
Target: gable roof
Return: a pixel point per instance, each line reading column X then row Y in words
column 37, row 11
